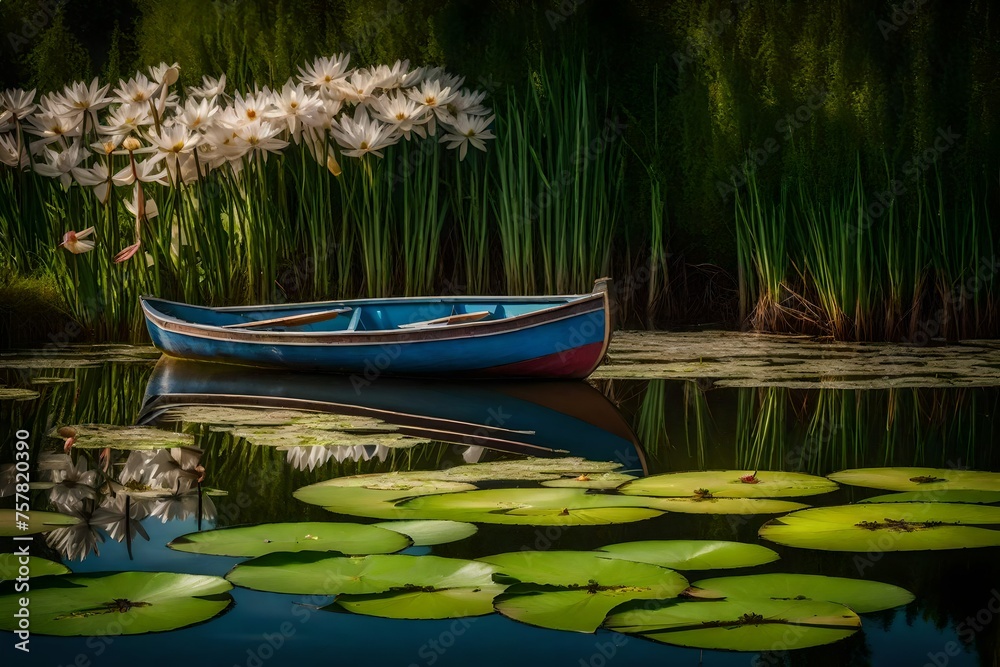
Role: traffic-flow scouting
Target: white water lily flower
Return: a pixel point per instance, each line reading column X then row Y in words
column 260, row 136
column 220, row 146
column 210, row 88
column 73, row 241
column 145, row 172
column 358, row 88
column 325, row 73
column 197, row 114
column 164, row 74
column 307, row 458
column 79, row 99
column 295, row 108
column 97, row 177
column 77, row 541
column 469, row 102
column 434, row 97
column 60, row 164
column 181, row 506
column 6, row 121
column 73, row 484
column 138, row 90
column 51, row 128
column 362, row 135
column 112, row 517
column 19, row 102
column 402, row 113
column 11, row 154
column 446, row 79
column 126, row 119
column 256, row 105
column 171, row 143
column 465, row 130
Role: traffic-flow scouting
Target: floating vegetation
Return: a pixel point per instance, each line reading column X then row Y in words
column 529, row 470
column 249, row 541
column 13, row 523
column 538, row 506
column 730, row 484
column 16, row 394
column 121, row 603
column 942, row 496
column 99, row 436
column 603, row 481
column 422, row 604
column 430, row 533
column 882, row 527
column 710, row 505
column 861, row 596
column 79, row 356
column 926, row 480
column 375, row 495
column 691, row 554
column 738, row 625
column 575, row 590
column 37, row 567
column 311, row 573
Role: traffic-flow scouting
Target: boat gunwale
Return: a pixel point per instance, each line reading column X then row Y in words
column 411, row 335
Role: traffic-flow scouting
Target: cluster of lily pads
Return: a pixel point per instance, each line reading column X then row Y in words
column 639, row 588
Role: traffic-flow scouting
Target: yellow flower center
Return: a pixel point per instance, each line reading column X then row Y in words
column 364, row 145
column 430, row 100
column 251, row 114
column 401, row 116
column 178, row 147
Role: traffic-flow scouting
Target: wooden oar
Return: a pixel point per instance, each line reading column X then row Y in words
column 291, row 320
column 451, row 319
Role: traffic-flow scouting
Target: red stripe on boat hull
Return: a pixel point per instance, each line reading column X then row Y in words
column 576, row 363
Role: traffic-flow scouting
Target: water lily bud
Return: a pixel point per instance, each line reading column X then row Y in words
column 131, row 144
column 170, row 76
column 333, row 165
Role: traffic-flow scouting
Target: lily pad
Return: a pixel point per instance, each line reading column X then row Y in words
column 431, row 604
column 430, row 533
column 942, row 496
column 878, row 527
column 37, row 522
column 746, row 506
column 691, row 554
column 345, row 538
column 919, row 479
column 375, row 495
column 311, row 573
column 99, row 436
column 10, row 565
column 575, row 590
column 860, row 595
column 122, row 603
column 739, row 625
column 529, row 469
column 17, row 394
column 533, row 506
column 605, row 480
column 730, row 484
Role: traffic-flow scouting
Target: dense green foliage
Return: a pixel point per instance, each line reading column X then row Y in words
column 831, row 167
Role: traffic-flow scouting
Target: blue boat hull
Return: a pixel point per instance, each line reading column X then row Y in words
column 564, row 340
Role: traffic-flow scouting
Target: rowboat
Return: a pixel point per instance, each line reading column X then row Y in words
column 444, row 336
column 551, row 419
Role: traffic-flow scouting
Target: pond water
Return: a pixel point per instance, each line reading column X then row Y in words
column 249, row 467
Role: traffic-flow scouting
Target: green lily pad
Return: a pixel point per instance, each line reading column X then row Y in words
column 739, row 625
column 10, row 565
column 691, row 554
column 311, row 573
column 534, row 506
column 858, row 594
column 604, row 480
column 37, row 522
column 722, row 505
column 375, row 495
column 16, row 394
column 51, row 380
column 942, row 496
column 99, row 436
column 528, row 469
column 575, row 590
column 919, row 479
column 878, row 527
column 431, row 604
column 121, row 603
column 346, row 538
column 730, row 484
column 430, row 533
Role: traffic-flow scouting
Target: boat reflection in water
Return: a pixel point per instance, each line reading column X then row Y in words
column 528, row 418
